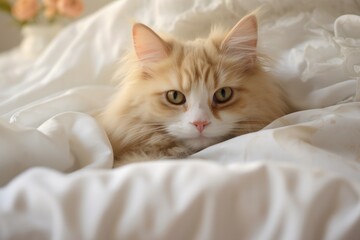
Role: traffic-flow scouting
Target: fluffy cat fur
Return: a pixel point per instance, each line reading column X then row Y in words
column 143, row 124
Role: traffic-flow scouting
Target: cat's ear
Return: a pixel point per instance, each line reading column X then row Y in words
column 241, row 41
column 149, row 47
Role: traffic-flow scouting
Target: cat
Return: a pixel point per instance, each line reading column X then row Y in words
column 176, row 98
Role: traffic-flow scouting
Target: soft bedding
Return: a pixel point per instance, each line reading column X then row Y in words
column 299, row 178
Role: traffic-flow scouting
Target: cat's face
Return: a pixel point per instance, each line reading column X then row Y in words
column 203, row 119
column 195, row 99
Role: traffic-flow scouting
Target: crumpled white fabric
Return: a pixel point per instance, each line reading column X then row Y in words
column 183, row 200
column 296, row 179
column 347, row 35
column 60, row 143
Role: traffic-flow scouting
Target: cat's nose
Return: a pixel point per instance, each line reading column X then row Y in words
column 200, row 125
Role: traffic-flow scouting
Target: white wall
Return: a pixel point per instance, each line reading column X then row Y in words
column 10, row 33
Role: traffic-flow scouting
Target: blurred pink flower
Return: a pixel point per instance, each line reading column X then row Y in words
column 70, row 8
column 50, row 3
column 50, row 12
column 24, row 10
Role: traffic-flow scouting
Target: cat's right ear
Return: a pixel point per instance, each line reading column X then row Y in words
column 240, row 43
column 149, row 47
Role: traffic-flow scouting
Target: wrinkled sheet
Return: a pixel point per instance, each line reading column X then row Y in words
column 299, row 178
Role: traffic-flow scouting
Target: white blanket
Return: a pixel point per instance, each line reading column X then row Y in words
column 299, row 178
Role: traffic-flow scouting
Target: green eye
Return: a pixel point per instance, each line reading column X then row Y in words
column 223, row 95
column 175, row 97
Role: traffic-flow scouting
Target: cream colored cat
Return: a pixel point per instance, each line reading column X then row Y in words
column 176, row 98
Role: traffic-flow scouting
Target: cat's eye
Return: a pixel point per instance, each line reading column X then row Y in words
column 223, row 95
column 175, row 97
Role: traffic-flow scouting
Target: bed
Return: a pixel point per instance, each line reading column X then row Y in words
column 298, row 178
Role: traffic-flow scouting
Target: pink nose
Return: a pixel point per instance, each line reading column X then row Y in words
column 200, row 125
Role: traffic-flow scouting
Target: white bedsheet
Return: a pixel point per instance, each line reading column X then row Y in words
column 299, row 178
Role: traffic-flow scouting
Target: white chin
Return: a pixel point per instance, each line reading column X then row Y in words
column 200, row 142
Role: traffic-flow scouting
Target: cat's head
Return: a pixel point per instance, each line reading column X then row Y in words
column 199, row 92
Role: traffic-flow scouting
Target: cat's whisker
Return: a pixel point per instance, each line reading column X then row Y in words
column 141, row 134
column 254, row 122
column 145, row 125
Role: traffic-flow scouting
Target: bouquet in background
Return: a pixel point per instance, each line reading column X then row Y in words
column 41, row 12
column 40, row 20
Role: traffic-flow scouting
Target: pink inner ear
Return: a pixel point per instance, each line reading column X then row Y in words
column 242, row 37
column 149, row 47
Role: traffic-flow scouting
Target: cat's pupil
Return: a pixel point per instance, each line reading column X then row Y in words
column 223, row 93
column 175, row 95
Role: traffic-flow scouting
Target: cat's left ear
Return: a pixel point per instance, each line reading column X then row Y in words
column 149, row 47
column 240, row 43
